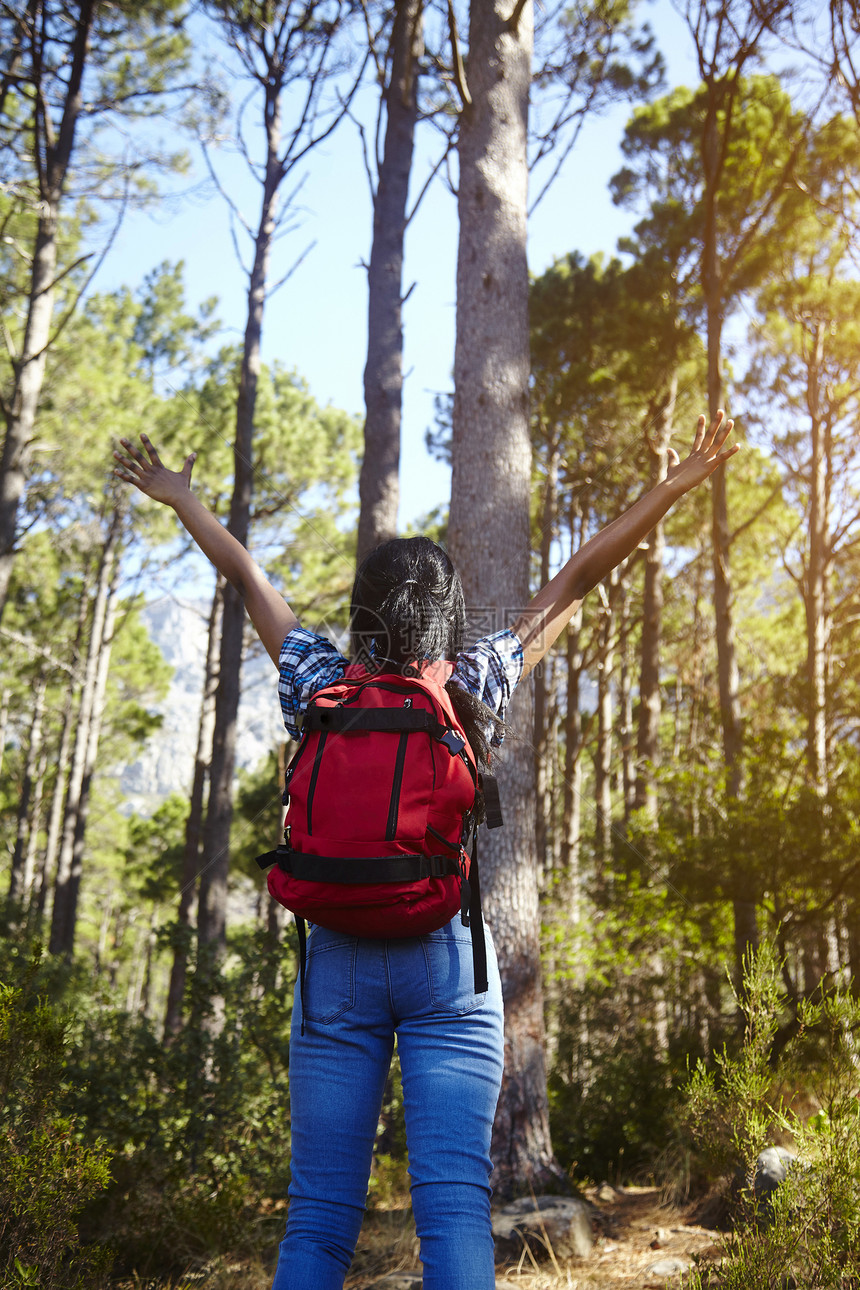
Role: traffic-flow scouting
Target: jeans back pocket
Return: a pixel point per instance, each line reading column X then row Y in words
column 329, row 976
column 451, row 972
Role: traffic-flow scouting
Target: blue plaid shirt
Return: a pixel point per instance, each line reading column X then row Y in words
column 490, row 670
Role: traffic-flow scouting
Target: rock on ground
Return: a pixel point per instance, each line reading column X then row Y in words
column 560, row 1223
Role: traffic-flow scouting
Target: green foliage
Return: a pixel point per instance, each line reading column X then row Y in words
column 258, row 813
column 616, row 1123
column 614, row 981
column 47, row 1172
column 808, row 1233
column 156, row 845
column 199, row 1126
column 758, row 127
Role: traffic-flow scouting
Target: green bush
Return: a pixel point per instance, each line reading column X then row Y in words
column 199, row 1127
column 808, row 1233
column 617, row 1123
column 47, row 1173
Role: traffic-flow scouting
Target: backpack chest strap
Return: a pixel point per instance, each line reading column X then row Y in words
column 342, row 719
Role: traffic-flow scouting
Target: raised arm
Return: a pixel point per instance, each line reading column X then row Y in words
column 540, row 625
column 267, row 609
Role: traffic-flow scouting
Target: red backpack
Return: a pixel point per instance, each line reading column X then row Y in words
column 381, row 812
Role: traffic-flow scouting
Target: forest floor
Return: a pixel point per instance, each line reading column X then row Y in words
column 636, row 1231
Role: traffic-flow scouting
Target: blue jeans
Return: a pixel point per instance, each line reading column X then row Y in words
column 358, row 994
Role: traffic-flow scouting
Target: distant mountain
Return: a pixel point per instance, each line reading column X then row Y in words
column 166, row 763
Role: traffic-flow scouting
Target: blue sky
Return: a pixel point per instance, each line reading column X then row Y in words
column 316, row 322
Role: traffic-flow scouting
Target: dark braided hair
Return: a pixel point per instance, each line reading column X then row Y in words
column 407, row 606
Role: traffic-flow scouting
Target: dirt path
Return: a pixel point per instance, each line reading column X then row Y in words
column 639, row 1233
column 638, row 1239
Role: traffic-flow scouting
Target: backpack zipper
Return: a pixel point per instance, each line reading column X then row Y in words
column 397, row 782
column 314, row 774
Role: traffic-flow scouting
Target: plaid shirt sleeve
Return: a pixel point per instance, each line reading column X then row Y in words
column 306, row 663
column 491, row 669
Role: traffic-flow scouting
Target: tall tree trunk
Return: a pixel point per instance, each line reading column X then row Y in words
column 61, row 781
column 18, row 878
column 650, row 707
column 379, row 481
column 82, row 814
column 817, row 597
column 4, row 721
column 714, row 144
column 572, row 825
column 194, row 821
column 543, row 766
column 64, row 913
column 603, row 754
column 627, row 767
column 489, row 529
column 212, row 905
column 55, row 153
column 33, row 831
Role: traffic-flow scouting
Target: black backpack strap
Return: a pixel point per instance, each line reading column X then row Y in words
column 359, row 869
column 303, row 956
column 489, row 786
column 343, row 719
column 471, row 915
column 475, row 921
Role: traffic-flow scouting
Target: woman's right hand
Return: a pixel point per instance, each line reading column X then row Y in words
column 148, row 474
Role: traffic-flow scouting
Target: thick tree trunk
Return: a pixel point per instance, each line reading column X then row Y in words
column 379, row 482
column 194, row 822
column 54, row 156
column 489, row 532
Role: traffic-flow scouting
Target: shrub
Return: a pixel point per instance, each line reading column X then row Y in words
column 199, row 1126
column 808, row 1233
column 47, row 1174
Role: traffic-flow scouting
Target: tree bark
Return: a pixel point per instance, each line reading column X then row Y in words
column 4, row 721
column 33, row 831
column 650, row 706
column 379, row 481
column 194, row 822
column 735, row 30
column 19, row 879
column 572, row 825
column 55, row 155
column 55, row 816
column 489, row 532
column 543, row 761
column 212, row 904
column 64, row 914
column 817, row 598
column 603, row 754
column 627, row 767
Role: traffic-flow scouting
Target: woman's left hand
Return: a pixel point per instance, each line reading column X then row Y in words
column 146, row 472
column 705, row 456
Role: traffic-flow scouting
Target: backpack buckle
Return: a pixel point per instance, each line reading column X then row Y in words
column 465, row 888
column 453, row 742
